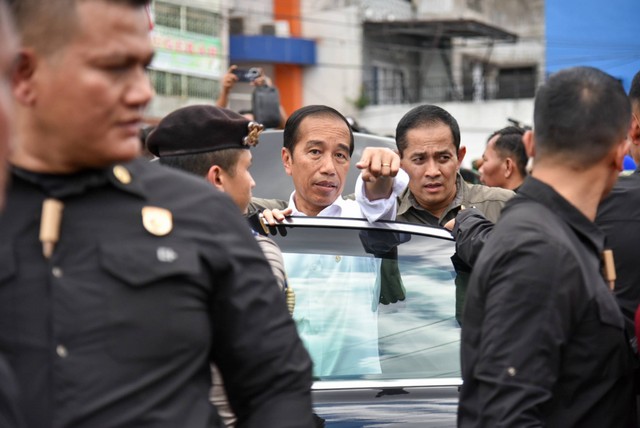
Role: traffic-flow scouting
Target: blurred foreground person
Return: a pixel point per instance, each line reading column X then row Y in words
column 124, row 280
column 9, row 414
column 543, row 343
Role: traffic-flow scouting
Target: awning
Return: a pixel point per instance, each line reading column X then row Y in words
column 438, row 29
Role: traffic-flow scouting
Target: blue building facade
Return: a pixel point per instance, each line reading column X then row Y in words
column 602, row 34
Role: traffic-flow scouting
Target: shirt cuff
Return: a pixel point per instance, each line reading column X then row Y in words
column 381, row 209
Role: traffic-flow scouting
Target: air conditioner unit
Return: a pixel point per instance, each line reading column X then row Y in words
column 282, row 28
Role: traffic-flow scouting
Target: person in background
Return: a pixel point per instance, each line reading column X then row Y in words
column 543, row 340
column 504, row 160
column 125, row 280
column 230, row 79
column 503, row 164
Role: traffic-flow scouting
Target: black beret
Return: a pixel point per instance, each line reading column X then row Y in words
column 200, row 129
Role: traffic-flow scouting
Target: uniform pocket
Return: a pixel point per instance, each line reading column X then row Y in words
column 143, row 263
column 155, row 303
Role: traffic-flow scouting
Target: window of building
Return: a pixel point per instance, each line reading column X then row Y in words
column 475, row 5
column 202, row 88
column 202, row 21
column 386, row 85
column 179, row 85
column 516, row 82
column 185, row 18
column 167, row 15
column 489, row 81
column 477, row 82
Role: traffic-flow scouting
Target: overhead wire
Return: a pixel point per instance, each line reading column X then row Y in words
column 616, row 54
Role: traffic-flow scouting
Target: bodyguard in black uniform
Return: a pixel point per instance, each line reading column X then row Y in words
column 543, row 342
column 619, row 218
column 120, row 280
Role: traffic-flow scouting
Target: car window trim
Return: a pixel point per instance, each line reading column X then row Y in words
column 334, row 222
column 323, row 385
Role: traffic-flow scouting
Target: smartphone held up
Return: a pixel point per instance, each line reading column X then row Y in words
column 247, row 75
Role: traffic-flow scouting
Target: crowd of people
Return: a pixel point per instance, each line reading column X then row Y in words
column 130, row 288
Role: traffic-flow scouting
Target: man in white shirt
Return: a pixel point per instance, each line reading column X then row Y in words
column 318, row 144
column 336, row 296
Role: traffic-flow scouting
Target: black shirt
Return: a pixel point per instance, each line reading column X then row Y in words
column 471, row 230
column 10, row 416
column 619, row 218
column 543, row 342
column 118, row 327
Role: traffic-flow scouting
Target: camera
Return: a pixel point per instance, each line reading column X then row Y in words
column 247, row 75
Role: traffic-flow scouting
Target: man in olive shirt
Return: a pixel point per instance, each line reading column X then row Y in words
column 428, row 140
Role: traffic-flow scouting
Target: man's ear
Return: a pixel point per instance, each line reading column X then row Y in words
column 529, row 143
column 462, row 151
column 214, row 176
column 22, row 78
column 619, row 152
column 508, row 167
column 287, row 160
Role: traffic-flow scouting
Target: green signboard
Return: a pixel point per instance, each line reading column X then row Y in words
column 187, row 53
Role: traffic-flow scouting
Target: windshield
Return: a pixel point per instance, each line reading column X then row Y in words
column 374, row 304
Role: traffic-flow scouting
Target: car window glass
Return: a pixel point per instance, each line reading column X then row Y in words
column 374, row 304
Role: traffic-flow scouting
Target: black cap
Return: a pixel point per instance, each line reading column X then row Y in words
column 200, row 129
